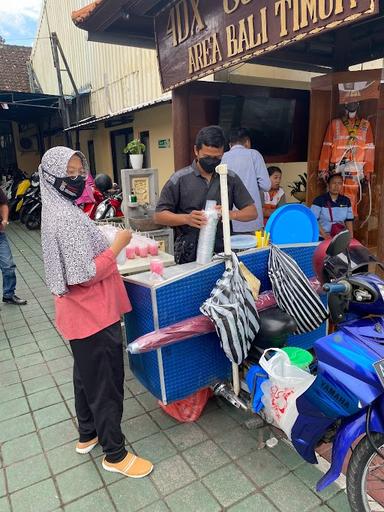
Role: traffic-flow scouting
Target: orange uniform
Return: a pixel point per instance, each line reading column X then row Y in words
column 348, row 147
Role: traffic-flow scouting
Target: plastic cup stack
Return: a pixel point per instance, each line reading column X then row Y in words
column 207, row 234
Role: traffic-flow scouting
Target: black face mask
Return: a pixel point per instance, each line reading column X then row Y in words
column 70, row 188
column 209, row 163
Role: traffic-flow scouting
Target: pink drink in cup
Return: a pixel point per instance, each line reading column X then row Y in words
column 131, row 252
column 157, row 266
column 153, row 248
column 143, row 251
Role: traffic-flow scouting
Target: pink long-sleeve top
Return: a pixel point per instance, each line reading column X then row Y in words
column 89, row 307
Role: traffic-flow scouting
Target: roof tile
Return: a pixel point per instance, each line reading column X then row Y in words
column 83, row 14
column 13, row 68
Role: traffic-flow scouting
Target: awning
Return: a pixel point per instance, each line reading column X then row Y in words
column 123, row 22
column 27, row 106
column 88, row 123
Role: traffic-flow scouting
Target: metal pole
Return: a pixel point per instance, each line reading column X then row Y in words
column 63, row 105
column 222, row 171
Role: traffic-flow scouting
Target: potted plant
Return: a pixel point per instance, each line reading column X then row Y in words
column 135, row 148
column 299, row 188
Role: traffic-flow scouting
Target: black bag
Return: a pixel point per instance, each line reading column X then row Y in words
column 186, row 247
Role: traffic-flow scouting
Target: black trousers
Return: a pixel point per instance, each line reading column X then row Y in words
column 98, row 379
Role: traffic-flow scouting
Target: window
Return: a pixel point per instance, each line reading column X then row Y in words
column 91, row 158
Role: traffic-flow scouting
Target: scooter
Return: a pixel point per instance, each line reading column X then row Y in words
column 31, row 197
column 33, row 217
column 16, row 202
column 110, row 207
column 345, row 403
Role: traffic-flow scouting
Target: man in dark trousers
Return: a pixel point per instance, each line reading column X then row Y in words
column 182, row 200
column 7, row 265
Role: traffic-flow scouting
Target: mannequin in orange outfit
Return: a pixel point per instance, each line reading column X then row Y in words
column 348, row 149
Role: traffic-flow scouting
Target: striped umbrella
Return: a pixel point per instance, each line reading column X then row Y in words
column 232, row 309
column 294, row 293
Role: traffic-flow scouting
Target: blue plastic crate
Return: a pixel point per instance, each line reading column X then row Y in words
column 177, row 371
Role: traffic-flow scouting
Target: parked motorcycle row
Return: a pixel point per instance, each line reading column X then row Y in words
column 101, row 198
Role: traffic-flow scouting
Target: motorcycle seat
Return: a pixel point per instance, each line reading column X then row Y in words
column 275, row 327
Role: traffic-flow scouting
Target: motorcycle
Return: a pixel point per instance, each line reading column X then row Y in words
column 16, row 202
column 33, row 218
column 31, row 197
column 110, row 207
column 345, row 403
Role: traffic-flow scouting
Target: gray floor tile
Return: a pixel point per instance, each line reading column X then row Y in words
column 255, row 503
column 98, row 500
column 13, row 408
column 228, row 484
column 65, row 457
column 40, row 497
column 21, row 448
column 192, row 498
column 206, row 457
column 59, row 434
column 186, row 435
column 297, row 495
column 27, row 472
column 15, row 427
column 71, row 482
column 154, row 448
column 130, row 494
column 44, row 398
column 172, row 474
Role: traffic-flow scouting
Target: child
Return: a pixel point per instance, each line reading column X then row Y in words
column 276, row 195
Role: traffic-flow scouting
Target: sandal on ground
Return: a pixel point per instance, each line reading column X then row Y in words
column 131, row 466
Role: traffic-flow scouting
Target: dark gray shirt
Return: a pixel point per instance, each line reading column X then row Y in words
column 188, row 190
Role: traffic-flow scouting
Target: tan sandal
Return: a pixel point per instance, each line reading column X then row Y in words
column 86, row 447
column 131, row 466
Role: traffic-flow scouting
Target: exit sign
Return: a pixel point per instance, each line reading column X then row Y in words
column 164, row 143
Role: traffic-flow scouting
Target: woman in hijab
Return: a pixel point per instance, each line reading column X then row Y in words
column 90, row 298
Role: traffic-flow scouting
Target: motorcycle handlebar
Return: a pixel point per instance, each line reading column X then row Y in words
column 336, row 287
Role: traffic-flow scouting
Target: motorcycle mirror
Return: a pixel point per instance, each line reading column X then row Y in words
column 339, row 244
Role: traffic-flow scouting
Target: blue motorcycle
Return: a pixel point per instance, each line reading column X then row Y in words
column 345, row 403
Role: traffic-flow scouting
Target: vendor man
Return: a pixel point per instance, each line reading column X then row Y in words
column 182, row 200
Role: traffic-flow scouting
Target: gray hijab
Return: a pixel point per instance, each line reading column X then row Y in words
column 69, row 238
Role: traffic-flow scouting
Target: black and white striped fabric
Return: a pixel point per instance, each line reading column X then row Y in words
column 293, row 292
column 232, row 309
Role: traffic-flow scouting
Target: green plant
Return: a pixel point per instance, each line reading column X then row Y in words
column 300, row 185
column 135, row 147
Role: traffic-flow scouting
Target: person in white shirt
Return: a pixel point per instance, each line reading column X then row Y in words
column 249, row 165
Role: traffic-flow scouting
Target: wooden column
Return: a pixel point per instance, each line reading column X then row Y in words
column 378, row 182
column 181, row 127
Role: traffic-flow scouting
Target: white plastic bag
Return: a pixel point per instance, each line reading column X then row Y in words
column 110, row 232
column 285, row 385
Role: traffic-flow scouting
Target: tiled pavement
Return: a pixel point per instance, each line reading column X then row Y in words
column 212, row 465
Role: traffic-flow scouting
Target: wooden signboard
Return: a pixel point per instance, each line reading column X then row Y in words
column 198, row 37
